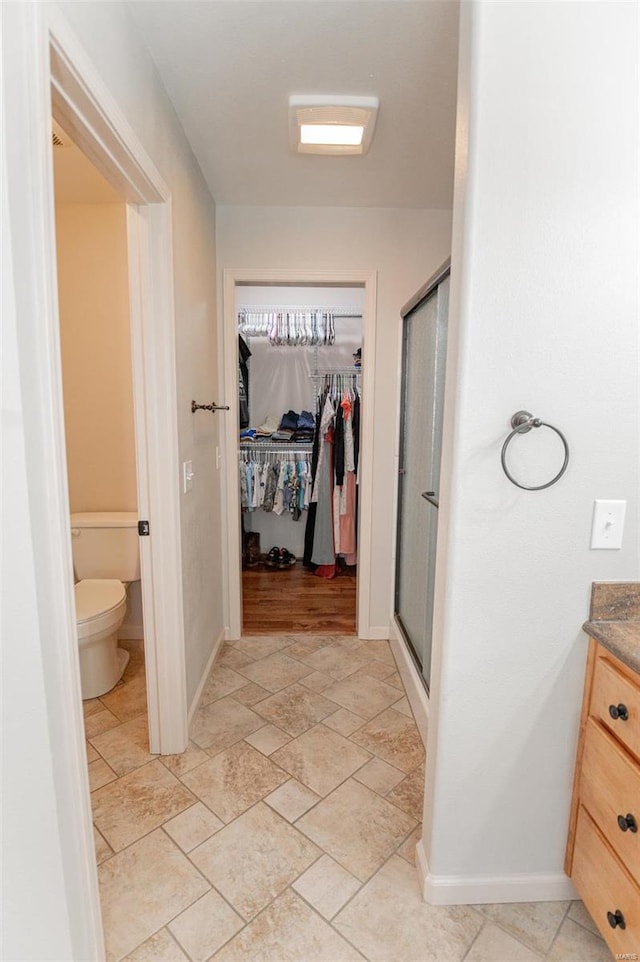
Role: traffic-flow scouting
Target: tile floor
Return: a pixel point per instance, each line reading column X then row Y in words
column 286, row 831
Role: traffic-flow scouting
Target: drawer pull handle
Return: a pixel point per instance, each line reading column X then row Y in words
column 616, row 919
column 619, row 711
column 627, row 823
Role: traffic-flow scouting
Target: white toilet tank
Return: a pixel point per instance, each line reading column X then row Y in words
column 105, row 545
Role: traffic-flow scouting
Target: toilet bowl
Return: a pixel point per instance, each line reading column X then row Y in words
column 101, row 604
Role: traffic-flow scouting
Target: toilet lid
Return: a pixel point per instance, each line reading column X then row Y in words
column 96, row 596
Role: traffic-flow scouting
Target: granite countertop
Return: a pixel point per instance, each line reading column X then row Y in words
column 614, row 620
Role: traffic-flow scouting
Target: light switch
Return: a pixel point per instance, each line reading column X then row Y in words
column 187, row 476
column 608, row 524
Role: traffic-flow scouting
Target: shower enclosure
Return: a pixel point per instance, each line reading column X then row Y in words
column 424, row 349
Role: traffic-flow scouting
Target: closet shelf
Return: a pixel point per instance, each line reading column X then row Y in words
column 299, row 309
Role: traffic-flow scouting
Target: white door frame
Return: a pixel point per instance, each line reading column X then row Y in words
column 49, row 63
column 232, row 277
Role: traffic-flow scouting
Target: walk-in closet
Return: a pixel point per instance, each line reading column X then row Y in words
column 300, row 357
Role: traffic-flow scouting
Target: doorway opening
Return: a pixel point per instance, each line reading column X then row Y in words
column 300, row 357
column 298, row 363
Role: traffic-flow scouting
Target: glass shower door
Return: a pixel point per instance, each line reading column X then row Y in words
column 424, row 357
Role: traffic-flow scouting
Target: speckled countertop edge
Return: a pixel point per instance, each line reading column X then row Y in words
column 614, row 619
column 621, row 638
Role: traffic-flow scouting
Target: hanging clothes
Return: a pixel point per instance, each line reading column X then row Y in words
column 243, row 384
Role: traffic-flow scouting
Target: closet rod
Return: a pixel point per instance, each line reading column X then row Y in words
column 263, row 309
column 299, row 447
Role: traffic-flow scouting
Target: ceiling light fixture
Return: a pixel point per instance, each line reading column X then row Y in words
column 331, row 124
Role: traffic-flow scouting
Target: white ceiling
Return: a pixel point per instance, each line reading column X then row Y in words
column 229, row 67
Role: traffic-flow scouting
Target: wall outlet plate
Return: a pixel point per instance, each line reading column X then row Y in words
column 607, row 526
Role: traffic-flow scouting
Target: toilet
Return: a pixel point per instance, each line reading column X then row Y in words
column 106, row 558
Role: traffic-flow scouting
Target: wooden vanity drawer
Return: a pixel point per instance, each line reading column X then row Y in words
column 615, row 694
column 610, row 790
column 605, row 887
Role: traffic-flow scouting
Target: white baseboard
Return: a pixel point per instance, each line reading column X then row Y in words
column 416, row 692
column 198, row 693
column 482, row 890
column 131, row 632
column 374, row 633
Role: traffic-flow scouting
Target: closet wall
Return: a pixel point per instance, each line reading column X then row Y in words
column 279, row 380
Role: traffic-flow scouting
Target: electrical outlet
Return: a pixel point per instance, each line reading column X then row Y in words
column 607, row 527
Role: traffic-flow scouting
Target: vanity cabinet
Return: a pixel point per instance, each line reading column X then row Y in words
column 603, row 850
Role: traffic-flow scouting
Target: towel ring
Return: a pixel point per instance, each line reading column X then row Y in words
column 522, row 422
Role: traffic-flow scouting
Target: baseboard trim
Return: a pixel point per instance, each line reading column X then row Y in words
column 131, row 632
column 212, row 657
column 373, row 633
column 416, row 692
column 482, row 890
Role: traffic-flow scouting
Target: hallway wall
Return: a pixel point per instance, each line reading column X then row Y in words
column 544, row 316
column 405, row 247
column 111, row 40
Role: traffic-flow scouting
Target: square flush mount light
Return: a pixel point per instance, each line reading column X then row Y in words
column 326, row 124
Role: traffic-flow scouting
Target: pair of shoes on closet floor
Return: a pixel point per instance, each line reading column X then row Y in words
column 280, row 559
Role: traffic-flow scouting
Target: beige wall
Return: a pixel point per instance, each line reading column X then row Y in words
column 96, row 356
column 405, row 247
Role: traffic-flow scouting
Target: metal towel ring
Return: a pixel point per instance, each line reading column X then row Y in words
column 522, row 422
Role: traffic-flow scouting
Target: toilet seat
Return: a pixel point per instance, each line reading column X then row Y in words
column 99, row 604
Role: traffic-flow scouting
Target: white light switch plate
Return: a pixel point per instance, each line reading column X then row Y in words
column 607, row 527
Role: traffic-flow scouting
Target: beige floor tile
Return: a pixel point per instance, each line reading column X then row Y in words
column 268, row 739
column 495, row 945
column 205, row 926
column 129, row 698
column 221, row 681
column 344, row 722
column 100, row 774
column 534, row 923
column 379, row 776
column 276, row 671
column 317, row 681
column 321, row 759
column 103, row 850
column 292, row 800
column 254, row 858
column 388, row 920
column 327, row 886
column 576, row 944
column 222, row 723
column 126, row 747
column 161, row 947
column 362, row 695
column 92, row 754
column 403, row 707
column 230, row 657
column 409, row 794
column 378, row 651
column 250, row 694
column 579, row 914
column 335, row 661
column 234, row 780
column 348, row 642
column 260, row 646
column 186, row 761
column 408, row 848
column 100, row 721
column 308, row 644
column 378, row 669
column 143, row 888
column 357, row 828
column 288, row 931
column 193, row 826
column 395, row 680
column 90, row 706
column 138, row 802
column 296, row 709
column 394, row 738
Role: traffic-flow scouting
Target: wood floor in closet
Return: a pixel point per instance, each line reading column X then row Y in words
column 297, row 601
